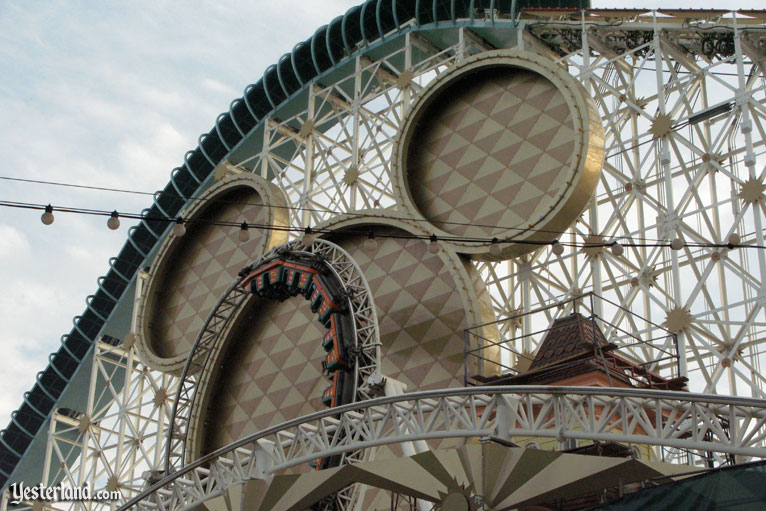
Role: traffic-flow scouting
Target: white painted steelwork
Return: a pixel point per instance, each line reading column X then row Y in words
column 678, row 165
column 117, row 442
column 700, row 179
column 699, row 424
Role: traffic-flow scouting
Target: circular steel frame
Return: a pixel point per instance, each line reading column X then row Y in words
column 210, row 341
column 274, row 204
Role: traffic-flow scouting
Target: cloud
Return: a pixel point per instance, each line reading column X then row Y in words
column 12, row 243
column 18, row 370
column 109, row 96
column 216, row 86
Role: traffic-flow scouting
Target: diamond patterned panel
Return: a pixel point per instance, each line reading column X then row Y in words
column 272, row 373
column 204, row 264
column 494, row 149
column 420, row 312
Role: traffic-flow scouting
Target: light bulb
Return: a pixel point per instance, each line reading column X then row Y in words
column 179, row 229
column 495, row 249
column 244, row 234
column 114, row 221
column 433, row 245
column 308, row 237
column 557, row 248
column 47, row 217
column 734, row 239
column 617, row 249
column 677, row 244
column 371, row 243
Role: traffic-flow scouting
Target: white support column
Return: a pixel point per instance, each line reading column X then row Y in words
column 396, row 388
column 308, row 176
column 595, row 262
column 265, row 144
column 49, row 450
column 356, row 112
column 88, row 426
column 743, row 103
column 526, row 308
column 264, row 460
column 406, row 91
column 665, row 171
column 504, row 416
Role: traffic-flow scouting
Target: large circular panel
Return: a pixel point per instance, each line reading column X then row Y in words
column 269, row 372
column 190, row 272
column 506, row 146
column 269, row 369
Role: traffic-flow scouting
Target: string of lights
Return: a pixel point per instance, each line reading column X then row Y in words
column 241, row 203
column 695, row 119
column 495, row 244
column 651, row 241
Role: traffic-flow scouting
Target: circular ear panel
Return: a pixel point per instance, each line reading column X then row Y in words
column 506, row 145
column 271, row 372
column 268, row 371
column 190, row 272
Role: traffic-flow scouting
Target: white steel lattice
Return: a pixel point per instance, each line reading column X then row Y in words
column 692, row 181
column 688, row 184
column 117, row 443
column 698, row 86
column 701, row 425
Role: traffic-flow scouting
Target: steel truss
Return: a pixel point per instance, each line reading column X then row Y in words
column 688, row 180
column 683, row 104
column 703, row 425
column 117, row 442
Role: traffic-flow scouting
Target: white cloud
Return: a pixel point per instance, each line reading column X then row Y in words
column 12, row 242
column 18, row 370
column 109, row 96
column 216, row 86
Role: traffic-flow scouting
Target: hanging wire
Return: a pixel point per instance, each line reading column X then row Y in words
column 271, row 206
column 557, row 245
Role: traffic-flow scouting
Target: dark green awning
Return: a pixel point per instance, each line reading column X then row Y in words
column 740, row 488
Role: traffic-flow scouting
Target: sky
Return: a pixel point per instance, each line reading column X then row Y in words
column 113, row 94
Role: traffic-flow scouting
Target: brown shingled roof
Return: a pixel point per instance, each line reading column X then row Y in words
column 569, row 338
column 568, row 350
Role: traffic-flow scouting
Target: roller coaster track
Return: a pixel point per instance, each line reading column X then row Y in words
column 366, row 338
column 714, row 425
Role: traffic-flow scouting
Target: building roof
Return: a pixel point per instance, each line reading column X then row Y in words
column 568, row 350
column 569, row 338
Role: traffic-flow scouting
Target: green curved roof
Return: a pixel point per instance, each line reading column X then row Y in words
column 328, row 48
